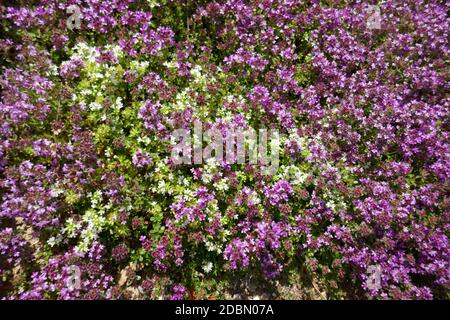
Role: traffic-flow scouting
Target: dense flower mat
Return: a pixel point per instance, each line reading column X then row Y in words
column 88, row 188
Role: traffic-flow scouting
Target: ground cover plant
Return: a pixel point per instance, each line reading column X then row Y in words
column 93, row 205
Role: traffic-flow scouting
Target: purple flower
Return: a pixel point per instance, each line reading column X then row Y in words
column 178, row 292
column 120, row 252
column 141, row 159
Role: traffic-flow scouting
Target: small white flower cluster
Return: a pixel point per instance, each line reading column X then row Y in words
column 181, row 102
column 153, row 3
column 199, row 77
column 146, row 140
column 71, row 229
column 213, row 247
column 52, row 241
column 52, row 70
column 118, row 104
column 164, row 179
column 253, row 199
column 293, row 174
column 99, row 75
column 334, row 201
column 210, row 169
column 222, row 185
column 85, row 52
column 92, row 223
column 207, row 267
column 139, row 67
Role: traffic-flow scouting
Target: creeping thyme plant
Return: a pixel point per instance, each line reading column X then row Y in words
column 86, row 122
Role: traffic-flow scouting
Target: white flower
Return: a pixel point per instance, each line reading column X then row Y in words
column 212, row 247
column 85, row 92
column 71, row 228
column 207, row 267
column 52, row 70
column 196, row 72
column 207, row 178
column 95, row 106
column 118, row 105
column 170, row 64
column 153, row 3
column 52, row 241
column 222, row 185
column 253, row 199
